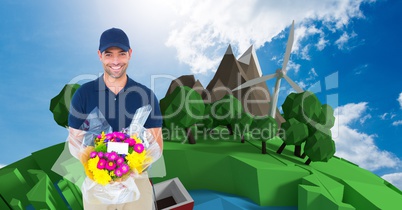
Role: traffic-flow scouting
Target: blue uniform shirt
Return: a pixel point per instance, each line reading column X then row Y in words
column 119, row 109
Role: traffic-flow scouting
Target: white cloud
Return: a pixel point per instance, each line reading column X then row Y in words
column 1, row 166
column 312, row 74
column 396, row 123
column 383, row 116
column 400, row 100
column 302, row 85
column 203, row 29
column 394, row 178
column 360, row 69
column 294, row 66
column 350, row 112
column 303, row 32
column 387, row 116
column 308, row 83
column 344, row 39
column 363, row 119
column 304, row 52
column 356, row 146
column 322, row 43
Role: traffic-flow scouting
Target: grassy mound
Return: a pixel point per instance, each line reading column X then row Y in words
column 212, row 164
column 275, row 180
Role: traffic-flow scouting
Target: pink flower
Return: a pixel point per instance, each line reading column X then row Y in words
column 124, row 168
column 101, row 154
column 121, row 136
column 138, row 148
column 101, row 164
column 130, row 141
column 109, row 136
column 120, row 161
column 93, row 154
column 110, row 165
column 113, row 156
column 118, row 172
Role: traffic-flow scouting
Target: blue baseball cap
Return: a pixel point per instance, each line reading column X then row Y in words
column 114, row 37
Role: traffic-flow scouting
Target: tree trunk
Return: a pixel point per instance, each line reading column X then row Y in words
column 308, row 161
column 190, row 136
column 303, row 155
column 264, row 147
column 242, row 139
column 281, row 148
column 297, row 150
column 229, row 126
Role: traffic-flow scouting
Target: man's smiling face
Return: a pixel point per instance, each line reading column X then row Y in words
column 115, row 61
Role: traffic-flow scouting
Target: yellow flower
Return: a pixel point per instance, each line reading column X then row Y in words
column 93, row 163
column 138, row 162
column 111, row 173
column 102, row 137
column 102, row 177
column 137, row 140
column 88, row 172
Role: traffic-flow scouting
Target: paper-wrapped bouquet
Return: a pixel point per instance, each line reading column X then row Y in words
column 113, row 160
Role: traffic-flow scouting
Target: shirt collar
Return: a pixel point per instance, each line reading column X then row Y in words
column 101, row 86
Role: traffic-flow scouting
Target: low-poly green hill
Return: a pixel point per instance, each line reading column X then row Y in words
column 31, row 184
column 222, row 165
column 276, row 180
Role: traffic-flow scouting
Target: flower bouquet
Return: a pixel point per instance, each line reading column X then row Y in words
column 113, row 160
column 106, row 165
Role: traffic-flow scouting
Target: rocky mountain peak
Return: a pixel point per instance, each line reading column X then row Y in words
column 231, row 73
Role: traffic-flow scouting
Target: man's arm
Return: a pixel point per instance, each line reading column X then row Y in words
column 75, row 138
column 157, row 133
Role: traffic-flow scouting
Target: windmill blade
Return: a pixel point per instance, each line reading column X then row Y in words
column 293, row 84
column 255, row 81
column 288, row 48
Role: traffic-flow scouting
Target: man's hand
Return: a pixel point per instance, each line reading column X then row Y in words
column 74, row 139
column 157, row 133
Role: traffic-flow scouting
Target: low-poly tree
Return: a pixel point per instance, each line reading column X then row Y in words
column 226, row 112
column 243, row 125
column 207, row 120
column 319, row 147
column 182, row 108
column 295, row 133
column 60, row 104
column 264, row 128
column 306, row 109
column 327, row 118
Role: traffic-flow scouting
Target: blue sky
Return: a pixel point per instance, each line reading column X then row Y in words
column 351, row 48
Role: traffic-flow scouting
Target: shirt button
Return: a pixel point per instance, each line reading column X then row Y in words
column 115, row 99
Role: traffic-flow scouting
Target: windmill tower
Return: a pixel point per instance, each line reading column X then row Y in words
column 280, row 73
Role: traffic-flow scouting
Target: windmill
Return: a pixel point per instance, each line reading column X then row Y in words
column 280, row 73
